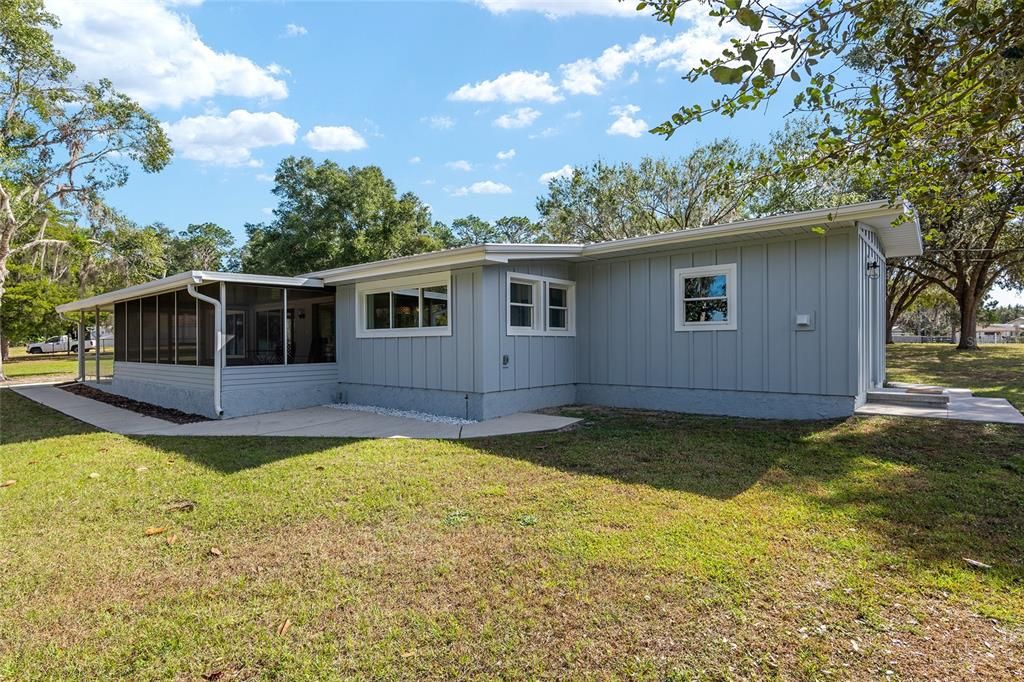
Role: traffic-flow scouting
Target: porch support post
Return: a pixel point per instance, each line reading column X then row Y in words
column 81, row 346
column 97, row 343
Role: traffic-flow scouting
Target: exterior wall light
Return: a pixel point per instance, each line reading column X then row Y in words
column 873, row 269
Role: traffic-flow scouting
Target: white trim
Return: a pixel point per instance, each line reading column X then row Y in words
column 180, row 281
column 681, row 274
column 364, row 289
column 540, row 305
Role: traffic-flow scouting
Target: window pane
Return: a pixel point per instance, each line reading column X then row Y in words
column 557, row 318
column 378, row 311
column 521, row 316
column 206, row 324
column 149, row 329
column 406, row 303
column 165, row 328
column 435, row 306
column 557, row 297
column 133, row 330
column 186, row 329
column 255, row 333
column 521, row 293
column 310, row 325
column 714, row 310
column 705, row 287
column 120, row 332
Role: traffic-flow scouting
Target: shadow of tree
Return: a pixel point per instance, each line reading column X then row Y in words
column 23, row 420
column 941, row 489
column 231, row 454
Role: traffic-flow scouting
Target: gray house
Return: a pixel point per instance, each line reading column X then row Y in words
column 777, row 317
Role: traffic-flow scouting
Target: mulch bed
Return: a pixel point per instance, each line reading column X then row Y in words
column 165, row 413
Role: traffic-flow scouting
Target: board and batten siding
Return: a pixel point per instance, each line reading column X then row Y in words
column 447, row 363
column 533, row 361
column 625, row 323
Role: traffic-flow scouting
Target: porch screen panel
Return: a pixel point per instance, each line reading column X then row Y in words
column 186, row 328
column 149, row 329
column 165, row 329
column 120, row 332
column 310, row 319
column 133, row 329
column 254, row 333
column 206, row 324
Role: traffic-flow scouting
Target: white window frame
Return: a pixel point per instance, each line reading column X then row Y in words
column 682, row 274
column 436, row 279
column 540, row 305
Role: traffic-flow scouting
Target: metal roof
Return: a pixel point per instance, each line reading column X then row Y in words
column 179, row 281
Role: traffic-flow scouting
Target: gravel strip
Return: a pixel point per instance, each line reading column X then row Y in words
column 409, row 414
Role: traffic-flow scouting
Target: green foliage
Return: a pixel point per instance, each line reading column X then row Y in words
column 506, row 230
column 28, row 311
column 328, row 216
column 715, row 183
column 201, row 246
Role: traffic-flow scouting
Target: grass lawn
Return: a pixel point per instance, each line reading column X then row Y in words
column 24, row 367
column 992, row 371
column 639, row 545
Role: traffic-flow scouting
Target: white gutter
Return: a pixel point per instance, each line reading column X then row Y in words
column 218, row 333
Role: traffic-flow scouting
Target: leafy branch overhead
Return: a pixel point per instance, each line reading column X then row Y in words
column 877, row 73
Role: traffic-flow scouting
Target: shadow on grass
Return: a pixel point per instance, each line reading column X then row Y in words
column 231, row 454
column 23, row 420
column 941, row 489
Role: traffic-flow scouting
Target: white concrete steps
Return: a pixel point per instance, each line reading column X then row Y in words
column 908, row 397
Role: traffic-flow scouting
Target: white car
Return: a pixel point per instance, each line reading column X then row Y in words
column 58, row 344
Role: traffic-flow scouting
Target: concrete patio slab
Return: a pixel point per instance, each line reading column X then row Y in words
column 962, row 406
column 310, row 421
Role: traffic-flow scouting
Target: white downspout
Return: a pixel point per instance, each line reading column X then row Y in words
column 218, row 334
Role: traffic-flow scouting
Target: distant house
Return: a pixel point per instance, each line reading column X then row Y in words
column 762, row 318
column 1002, row 331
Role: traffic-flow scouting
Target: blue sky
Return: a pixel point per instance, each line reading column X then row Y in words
column 468, row 103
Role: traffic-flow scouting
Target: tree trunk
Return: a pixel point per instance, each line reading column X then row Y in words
column 968, row 304
column 5, row 348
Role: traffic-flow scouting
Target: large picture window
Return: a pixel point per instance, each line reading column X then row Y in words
column 165, row 328
column 706, row 297
column 411, row 306
column 540, row 306
column 133, row 331
column 186, row 328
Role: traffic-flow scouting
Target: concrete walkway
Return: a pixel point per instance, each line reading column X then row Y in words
column 962, row 406
column 310, row 421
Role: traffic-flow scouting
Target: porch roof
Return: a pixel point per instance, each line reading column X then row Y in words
column 182, row 279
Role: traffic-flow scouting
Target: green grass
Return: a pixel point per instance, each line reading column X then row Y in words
column 993, row 371
column 640, row 545
column 46, row 367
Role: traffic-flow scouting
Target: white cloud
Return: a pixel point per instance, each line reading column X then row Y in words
column 516, row 86
column 483, row 187
column 334, row 139
column 506, row 155
column 520, row 118
column 415, row 159
column 625, row 124
column 264, row 177
column 563, row 172
column 460, row 165
column 154, row 54
column 229, row 140
column 295, row 30
column 439, row 122
column 544, row 134
column 574, row 114
column 554, row 9
column 267, row 210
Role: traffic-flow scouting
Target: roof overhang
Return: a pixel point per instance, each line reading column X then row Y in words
column 180, row 281
column 895, row 223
